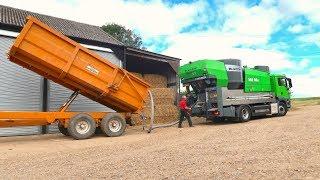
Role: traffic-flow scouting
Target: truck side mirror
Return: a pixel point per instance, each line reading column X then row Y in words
column 290, row 82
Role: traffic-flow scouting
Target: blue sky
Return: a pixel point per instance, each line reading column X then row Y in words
column 282, row 34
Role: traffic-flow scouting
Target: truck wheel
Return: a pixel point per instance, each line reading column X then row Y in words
column 282, row 109
column 243, row 113
column 62, row 129
column 81, row 126
column 113, row 125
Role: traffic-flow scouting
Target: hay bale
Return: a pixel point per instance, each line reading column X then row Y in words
column 156, row 81
column 163, row 114
column 162, row 96
column 165, row 110
column 161, row 110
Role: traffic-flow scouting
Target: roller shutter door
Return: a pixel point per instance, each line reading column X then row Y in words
column 19, row 90
column 59, row 94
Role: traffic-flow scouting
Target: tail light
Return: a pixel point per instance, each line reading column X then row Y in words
column 216, row 113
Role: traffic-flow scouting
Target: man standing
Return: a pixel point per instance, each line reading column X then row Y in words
column 184, row 112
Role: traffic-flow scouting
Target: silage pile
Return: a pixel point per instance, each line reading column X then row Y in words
column 163, row 97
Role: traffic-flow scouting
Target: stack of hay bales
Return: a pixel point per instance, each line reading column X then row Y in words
column 163, row 97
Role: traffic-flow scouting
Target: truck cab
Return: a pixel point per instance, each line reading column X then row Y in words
column 280, row 86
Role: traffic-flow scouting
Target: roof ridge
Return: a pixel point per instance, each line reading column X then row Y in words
column 3, row 6
column 53, row 19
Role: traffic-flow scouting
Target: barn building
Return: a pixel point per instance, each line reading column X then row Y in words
column 24, row 90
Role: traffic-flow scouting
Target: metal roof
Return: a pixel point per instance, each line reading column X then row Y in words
column 151, row 54
column 14, row 19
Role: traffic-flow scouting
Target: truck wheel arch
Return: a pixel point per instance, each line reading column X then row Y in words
column 239, row 115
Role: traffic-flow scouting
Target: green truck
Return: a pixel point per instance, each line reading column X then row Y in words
column 224, row 89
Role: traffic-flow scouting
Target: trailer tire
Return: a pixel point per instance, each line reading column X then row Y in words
column 81, row 126
column 113, row 125
column 243, row 113
column 282, row 109
column 62, row 129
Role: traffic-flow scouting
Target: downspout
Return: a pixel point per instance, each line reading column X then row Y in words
column 44, row 101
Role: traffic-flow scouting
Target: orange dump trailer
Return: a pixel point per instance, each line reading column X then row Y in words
column 56, row 57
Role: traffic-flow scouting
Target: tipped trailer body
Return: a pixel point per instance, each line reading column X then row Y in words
column 47, row 52
column 219, row 89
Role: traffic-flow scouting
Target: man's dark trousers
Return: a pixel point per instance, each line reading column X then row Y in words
column 184, row 114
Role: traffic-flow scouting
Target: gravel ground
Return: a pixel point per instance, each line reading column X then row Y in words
column 272, row 148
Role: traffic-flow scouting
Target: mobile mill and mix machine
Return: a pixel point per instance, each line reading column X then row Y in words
column 47, row 52
column 224, row 89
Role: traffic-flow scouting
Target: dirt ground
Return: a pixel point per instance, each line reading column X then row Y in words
column 272, row 148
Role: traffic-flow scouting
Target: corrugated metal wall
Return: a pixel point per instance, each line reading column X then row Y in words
column 59, row 94
column 19, row 90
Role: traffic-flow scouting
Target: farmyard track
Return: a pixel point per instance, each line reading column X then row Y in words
column 276, row 148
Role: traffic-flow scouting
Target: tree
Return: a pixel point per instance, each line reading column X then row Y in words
column 126, row 36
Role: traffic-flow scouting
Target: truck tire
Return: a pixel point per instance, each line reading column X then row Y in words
column 282, row 109
column 113, row 125
column 243, row 113
column 81, row 126
column 62, row 129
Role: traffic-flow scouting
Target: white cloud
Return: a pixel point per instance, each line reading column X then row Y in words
column 309, row 8
column 297, row 28
column 306, row 85
column 243, row 27
column 215, row 45
column 257, row 21
column 311, row 38
column 315, row 72
column 304, row 63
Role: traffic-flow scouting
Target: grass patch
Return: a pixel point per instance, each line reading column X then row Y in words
column 300, row 102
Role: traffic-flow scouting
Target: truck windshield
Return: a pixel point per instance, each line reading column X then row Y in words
column 285, row 82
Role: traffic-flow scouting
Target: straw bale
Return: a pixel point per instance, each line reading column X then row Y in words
column 162, row 96
column 163, row 114
column 155, row 80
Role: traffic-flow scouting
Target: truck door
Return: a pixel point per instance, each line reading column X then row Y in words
column 283, row 88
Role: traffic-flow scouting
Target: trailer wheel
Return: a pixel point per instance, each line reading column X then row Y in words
column 243, row 113
column 81, row 126
column 62, row 129
column 113, row 125
column 282, row 109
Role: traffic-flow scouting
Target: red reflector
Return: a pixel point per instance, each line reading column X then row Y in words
column 216, row 113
